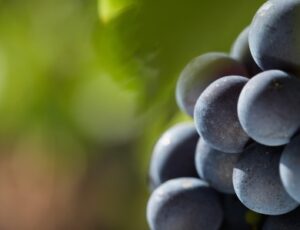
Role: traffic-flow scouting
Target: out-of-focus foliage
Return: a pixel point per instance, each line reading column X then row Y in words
column 154, row 39
column 109, row 9
column 90, row 86
column 149, row 43
column 58, row 106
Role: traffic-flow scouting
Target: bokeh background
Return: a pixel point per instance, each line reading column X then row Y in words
column 86, row 88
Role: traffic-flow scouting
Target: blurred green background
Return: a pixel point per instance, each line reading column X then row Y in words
column 86, row 88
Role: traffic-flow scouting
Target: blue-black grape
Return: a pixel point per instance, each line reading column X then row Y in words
column 274, row 35
column 257, row 183
column 199, row 73
column 215, row 167
column 269, row 107
column 240, row 51
column 289, row 221
column 184, row 204
column 173, row 155
column 216, row 117
column 290, row 168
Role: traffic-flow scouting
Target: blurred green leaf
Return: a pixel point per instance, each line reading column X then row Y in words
column 100, row 119
column 152, row 41
column 109, row 9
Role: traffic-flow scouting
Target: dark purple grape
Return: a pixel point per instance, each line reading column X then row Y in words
column 215, row 167
column 184, row 204
column 269, row 107
column 174, row 154
column 240, row 51
column 274, row 35
column 290, row 168
column 216, row 117
column 199, row 73
column 257, row 183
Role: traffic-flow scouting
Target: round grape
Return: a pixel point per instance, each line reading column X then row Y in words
column 274, row 35
column 199, row 73
column 184, row 203
column 269, row 107
column 289, row 168
column 240, row 51
column 215, row 167
column 216, row 117
column 257, row 183
column 174, row 154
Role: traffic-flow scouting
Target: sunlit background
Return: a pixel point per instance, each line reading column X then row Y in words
column 86, row 88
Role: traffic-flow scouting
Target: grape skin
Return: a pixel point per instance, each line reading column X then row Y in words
column 274, row 35
column 184, row 203
column 173, row 155
column 257, row 183
column 199, row 73
column 215, row 167
column 216, row 117
column 240, row 51
column 269, row 107
column 289, row 168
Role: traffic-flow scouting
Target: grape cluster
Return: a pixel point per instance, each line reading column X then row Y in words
column 237, row 165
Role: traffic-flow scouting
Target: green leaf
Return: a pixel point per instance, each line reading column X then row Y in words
column 109, row 9
column 151, row 42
